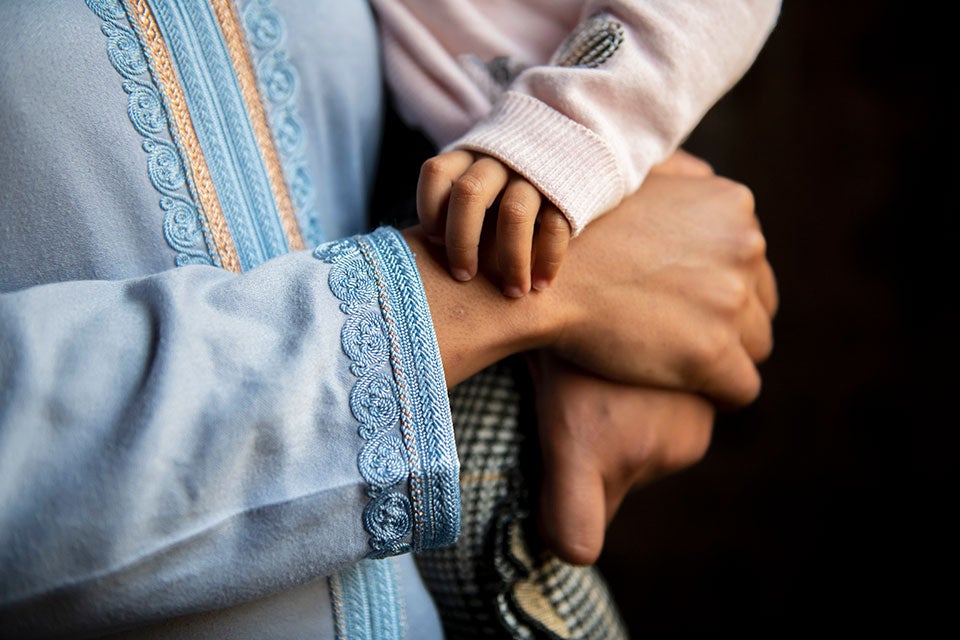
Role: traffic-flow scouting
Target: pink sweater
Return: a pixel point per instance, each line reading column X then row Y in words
column 580, row 97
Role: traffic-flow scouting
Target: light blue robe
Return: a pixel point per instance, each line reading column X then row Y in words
column 186, row 451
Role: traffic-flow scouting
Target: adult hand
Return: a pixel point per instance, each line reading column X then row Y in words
column 671, row 289
column 598, row 439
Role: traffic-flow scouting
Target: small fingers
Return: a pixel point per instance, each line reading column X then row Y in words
column 437, row 176
column 515, row 225
column 472, row 194
column 550, row 246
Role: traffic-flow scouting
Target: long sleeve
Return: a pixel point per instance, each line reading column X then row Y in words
column 196, row 438
column 581, row 98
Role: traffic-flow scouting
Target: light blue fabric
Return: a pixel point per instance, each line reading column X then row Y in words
column 177, row 446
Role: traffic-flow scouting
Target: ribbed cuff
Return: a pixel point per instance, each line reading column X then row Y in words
column 408, row 458
column 570, row 164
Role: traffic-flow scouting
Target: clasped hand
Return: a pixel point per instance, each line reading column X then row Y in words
column 661, row 312
column 601, row 438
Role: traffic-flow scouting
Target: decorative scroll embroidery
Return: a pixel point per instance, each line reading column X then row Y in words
column 266, row 33
column 219, row 113
column 233, row 36
column 378, row 269
column 591, row 44
column 373, row 400
column 184, row 227
column 366, row 602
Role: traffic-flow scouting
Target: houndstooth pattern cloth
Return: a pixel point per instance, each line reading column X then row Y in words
column 492, row 583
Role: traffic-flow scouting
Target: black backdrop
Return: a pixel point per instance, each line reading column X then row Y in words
column 821, row 506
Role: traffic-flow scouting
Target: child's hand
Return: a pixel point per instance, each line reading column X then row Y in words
column 456, row 189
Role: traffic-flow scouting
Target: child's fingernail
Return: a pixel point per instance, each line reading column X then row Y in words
column 512, row 291
column 461, row 274
column 540, row 284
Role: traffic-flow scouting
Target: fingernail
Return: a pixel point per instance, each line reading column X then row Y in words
column 462, row 275
column 513, row 291
column 540, row 284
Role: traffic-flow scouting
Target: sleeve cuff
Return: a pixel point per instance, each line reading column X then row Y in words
column 408, row 458
column 570, row 164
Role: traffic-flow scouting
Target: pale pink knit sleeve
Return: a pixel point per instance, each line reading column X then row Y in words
column 580, row 97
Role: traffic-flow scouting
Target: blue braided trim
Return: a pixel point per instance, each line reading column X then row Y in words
column 184, row 227
column 366, row 602
column 223, row 128
column 278, row 80
column 409, row 458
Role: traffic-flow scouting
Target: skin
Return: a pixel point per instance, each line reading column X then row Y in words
column 455, row 191
column 600, row 437
column 683, row 259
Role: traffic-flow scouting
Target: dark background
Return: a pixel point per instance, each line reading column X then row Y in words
column 822, row 507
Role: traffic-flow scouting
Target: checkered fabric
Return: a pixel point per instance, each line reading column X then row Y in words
column 492, row 583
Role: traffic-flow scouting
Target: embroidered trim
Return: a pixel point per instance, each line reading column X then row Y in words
column 379, row 267
column 279, row 80
column 233, row 36
column 223, row 128
column 591, row 44
column 184, row 228
column 184, row 136
column 366, row 602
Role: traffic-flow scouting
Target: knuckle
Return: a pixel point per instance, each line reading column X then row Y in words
column 461, row 246
column 513, row 213
column 711, row 349
column 753, row 245
column 749, row 387
column 554, row 224
column 576, row 551
column 468, row 187
column 743, row 196
column 737, row 294
column 688, row 451
column 640, row 453
column 433, row 169
column 765, row 346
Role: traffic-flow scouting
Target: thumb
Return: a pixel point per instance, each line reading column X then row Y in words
column 573, row 515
